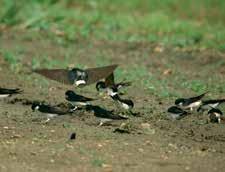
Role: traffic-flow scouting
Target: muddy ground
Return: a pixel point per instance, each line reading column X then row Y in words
column 154, row 142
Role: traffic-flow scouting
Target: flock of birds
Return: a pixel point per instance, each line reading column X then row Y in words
column 104, row 79
column 185, row 106
column 104, row 76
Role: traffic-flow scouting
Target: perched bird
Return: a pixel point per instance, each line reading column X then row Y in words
column 126, row 104
column 51, row 111
column 109, row 85
column 77, row 100
column 176, row 112
column 5, row 92
column 189, row 103
column 215, row 115
column 209, row 104
column 76, row 76
column 104, row 115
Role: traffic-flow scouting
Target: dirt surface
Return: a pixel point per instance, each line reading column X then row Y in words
column 154, row 142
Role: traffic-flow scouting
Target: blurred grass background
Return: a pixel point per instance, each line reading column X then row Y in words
column 180, row 23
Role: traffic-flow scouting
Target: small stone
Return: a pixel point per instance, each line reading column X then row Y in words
column 126, row 144
column 107, row 167
column 145, row 125
column 33, row 153
column 16, row 136
column 52, row 131
column 100, row 145
column 167, row 72
column 148, row 142
column 187, row 168
column 158, row 49
column 141, row 150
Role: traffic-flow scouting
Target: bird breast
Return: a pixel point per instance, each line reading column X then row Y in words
column 125, row 106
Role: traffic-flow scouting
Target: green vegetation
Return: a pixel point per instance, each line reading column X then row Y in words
column 187, row 23
column 14, row 60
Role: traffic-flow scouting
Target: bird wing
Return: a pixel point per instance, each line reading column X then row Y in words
column 10, row 91
column 175, row 110
column 96, row 74
column 104, row 113
column 213, row 110
column 60, row 75
column 213, row 101
column 109, row 81
column 82, row 98
column 58, row 110
column 197, row 98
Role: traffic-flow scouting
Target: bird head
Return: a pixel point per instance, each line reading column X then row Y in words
column 179, row 102
column 35, row 106
column 78, row 76
column 215, row 115
column 69, row 93
column 100, row 86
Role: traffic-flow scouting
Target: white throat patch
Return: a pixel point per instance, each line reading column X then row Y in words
column 79, row 82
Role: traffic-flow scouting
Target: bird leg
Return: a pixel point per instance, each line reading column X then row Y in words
column 74, row 109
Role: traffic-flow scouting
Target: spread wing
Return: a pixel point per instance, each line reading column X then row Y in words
column 60, row 75
column 109, row 81
column 96, row 74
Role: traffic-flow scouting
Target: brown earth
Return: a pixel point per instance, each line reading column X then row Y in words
column 154, row 143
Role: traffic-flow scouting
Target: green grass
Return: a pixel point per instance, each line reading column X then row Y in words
column 195, row 24
column 14, row 60
column 187, row 23
column 96, row 162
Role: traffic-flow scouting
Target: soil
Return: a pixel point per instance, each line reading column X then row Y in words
column 153, row 143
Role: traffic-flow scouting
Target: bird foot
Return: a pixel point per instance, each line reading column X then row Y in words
column 74, row 109
column 46, row 121
column 100, row 124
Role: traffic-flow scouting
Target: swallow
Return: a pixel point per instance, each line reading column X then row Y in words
column 176, row 112
column 126, row 104
column 51, row 111
column 76, row 76
column 189, row 103
column 209, row 104
column 77, row 100
column 104, row 115
column 215, row 115
column 5, row 92
column 109, row 85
